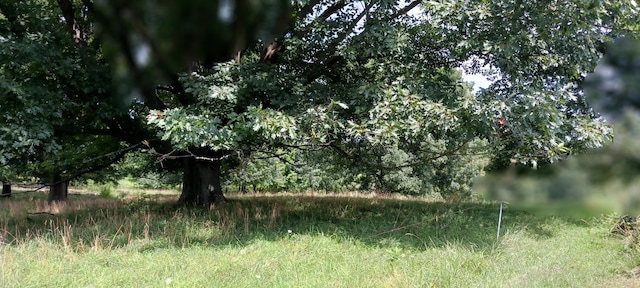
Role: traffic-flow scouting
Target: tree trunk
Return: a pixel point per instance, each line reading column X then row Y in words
column 216, row 193
column 201, row 184
column 58, row 189
column 6, row 189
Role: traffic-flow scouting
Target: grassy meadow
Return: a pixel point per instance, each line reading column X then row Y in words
column 303, row 240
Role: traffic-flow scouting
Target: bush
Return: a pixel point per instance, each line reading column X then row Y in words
column 568, row 184
column 157, row 180
column 106, row 190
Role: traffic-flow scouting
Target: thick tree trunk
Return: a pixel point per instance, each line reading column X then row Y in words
column 58, row 189
column 6, row 189
column 201, row 183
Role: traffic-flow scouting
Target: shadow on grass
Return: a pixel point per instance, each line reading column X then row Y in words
column 148, row 224
column 410, row 223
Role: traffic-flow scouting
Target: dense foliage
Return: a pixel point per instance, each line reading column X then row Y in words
column 376, row 84
column 55, row 105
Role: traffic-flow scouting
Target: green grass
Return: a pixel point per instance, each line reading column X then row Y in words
column 302, row 241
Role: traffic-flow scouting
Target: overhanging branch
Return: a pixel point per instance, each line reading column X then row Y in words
column 323, row 16
column 117, row 155
column 330, row 58
column 405, row 9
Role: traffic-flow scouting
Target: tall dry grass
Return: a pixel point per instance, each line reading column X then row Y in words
column 85, row 222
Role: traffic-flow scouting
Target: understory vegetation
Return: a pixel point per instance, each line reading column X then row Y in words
column 304, row 240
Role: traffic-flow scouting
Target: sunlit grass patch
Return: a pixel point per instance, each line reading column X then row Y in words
column 303, row 241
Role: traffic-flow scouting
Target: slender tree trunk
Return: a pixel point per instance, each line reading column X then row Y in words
column 201, row 184
column 6, row 189
column 58, row 189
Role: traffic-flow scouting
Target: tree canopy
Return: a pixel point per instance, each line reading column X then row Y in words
column 378, row 84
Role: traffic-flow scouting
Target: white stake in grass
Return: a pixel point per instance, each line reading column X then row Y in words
column 499, row 222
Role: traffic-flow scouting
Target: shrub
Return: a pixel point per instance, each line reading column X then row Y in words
column 106, row 190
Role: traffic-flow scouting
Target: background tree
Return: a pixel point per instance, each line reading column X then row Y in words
column 56, row 106
column 615, row 84
column 59, row 117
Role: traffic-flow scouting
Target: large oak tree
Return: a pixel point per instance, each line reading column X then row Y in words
column 376, row 82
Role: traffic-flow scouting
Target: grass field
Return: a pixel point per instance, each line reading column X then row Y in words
column 303, row 241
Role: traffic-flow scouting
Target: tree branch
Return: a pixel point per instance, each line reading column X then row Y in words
column 66, row 7
column 352, row 25
column 332, row 9
column 189, row 154
column 316, row 70
column 323, row 17
column 308, row 147
column 118, row 155
column 306, row 9
column 405, row 9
